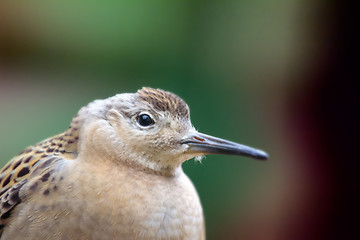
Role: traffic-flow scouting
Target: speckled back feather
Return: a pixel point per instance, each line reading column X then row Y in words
column 34, row 164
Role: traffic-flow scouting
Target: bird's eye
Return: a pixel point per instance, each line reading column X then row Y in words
column 144, row 120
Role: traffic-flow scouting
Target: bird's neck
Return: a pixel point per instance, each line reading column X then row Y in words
column 100, row 158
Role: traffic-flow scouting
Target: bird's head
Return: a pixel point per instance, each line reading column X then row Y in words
column 149, row 129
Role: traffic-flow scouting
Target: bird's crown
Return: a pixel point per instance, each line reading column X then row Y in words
column 164, row 101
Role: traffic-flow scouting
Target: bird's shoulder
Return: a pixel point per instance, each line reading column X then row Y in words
column 32, row 166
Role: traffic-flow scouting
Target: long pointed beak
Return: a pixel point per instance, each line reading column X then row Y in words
column 205, row 144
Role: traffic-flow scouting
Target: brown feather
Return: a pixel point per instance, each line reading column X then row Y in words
column 164, row 101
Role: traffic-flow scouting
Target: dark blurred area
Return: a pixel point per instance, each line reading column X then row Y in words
column 278, row 75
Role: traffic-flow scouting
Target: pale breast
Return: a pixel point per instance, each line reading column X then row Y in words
column 149, row 206
column 114, row 203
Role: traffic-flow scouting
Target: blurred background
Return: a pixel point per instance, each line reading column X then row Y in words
column 270, row 74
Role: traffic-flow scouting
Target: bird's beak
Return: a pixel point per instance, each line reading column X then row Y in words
column 204, row 144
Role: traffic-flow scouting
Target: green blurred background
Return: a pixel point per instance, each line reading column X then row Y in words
column 247, row 69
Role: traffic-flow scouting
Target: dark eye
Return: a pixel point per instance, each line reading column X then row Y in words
column 145, row 120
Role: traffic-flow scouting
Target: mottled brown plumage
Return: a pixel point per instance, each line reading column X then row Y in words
column 115, row 173
column 33, row 166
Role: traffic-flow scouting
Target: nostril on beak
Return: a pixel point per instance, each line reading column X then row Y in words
column 199, row 139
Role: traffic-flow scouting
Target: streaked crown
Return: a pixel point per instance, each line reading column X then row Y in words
column 164, row 101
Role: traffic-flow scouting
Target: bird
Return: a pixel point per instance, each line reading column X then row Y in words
column 115, row 173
